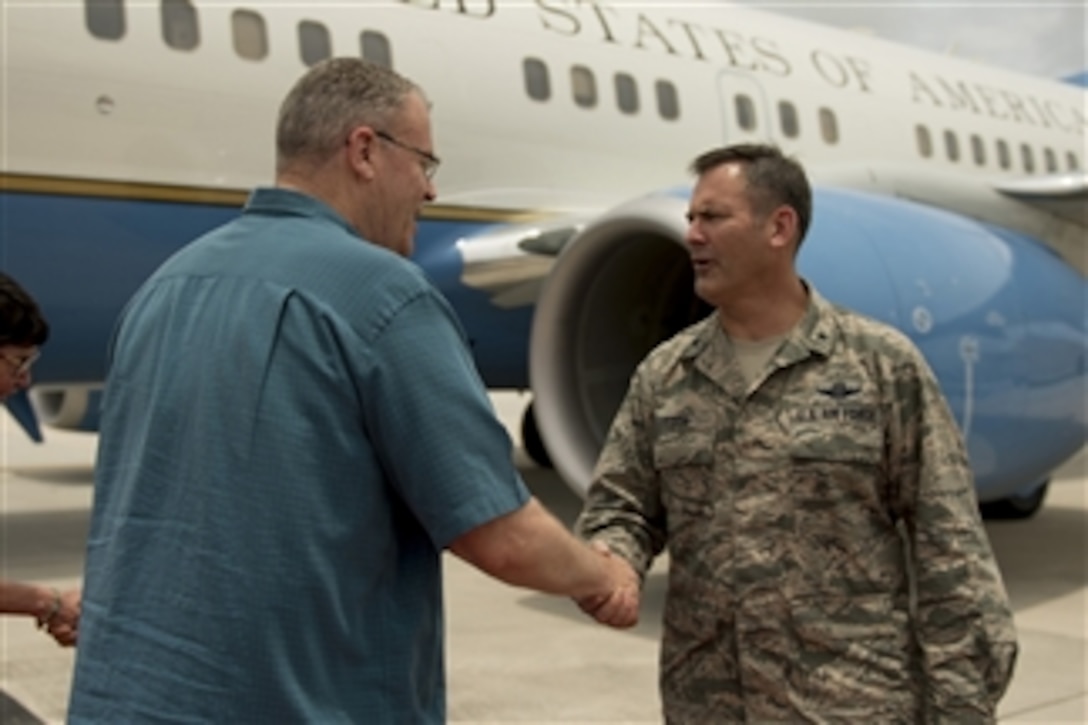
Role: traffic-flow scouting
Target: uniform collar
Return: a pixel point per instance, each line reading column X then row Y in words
column 814, row 334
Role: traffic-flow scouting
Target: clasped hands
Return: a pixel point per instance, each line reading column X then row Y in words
column 62, row 621
column 618, row 602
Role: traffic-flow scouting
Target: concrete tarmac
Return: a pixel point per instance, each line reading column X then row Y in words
column 514, row 656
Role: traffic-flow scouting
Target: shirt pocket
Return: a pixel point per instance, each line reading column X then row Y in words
column 835, row 445
column 684, row 461
column 821, row 429
column 842, row 511
column 681, row 450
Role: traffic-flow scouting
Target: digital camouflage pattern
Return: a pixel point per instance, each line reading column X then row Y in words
column 791, row 508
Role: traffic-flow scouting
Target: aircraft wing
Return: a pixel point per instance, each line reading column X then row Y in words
column 509, row 263
column 1064, row 195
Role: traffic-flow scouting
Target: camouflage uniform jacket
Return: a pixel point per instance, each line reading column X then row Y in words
column 791, row 508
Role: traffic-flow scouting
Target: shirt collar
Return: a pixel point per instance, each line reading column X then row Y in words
column 816, row 332
column 280, row 201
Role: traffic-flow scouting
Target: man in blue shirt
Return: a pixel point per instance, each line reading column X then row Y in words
column 293, row 430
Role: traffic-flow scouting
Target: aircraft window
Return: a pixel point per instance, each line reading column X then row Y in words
column 375, row 47
column 1003, row 158
column 1027, row 157
column 584, row 86
column 626, row 93
column 537, row 81
column 925, row 142
column 978, row 150
column 1071, row 161
column 1051, row 160
column 249, row 34
column 787, row 119
column 180, row 28
column 746, row 112
column 829, row 126
column 314, row 44
column 951, row 146
column 668, row 103
column 105, row 18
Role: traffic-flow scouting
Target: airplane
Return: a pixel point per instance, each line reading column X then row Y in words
column 950, row 197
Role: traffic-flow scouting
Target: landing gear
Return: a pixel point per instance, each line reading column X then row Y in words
column 1016, row 507
column 530, row 439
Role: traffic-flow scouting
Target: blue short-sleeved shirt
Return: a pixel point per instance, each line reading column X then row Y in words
column 292, row 431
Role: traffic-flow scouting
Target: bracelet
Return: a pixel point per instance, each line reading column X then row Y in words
column 54, row 609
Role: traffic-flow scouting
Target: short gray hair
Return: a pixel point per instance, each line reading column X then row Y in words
column 333, row 97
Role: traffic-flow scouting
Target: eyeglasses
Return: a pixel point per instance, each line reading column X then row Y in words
column 21, row 365
column 430, row 161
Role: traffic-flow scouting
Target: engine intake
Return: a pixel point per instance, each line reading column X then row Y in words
column 620, row 287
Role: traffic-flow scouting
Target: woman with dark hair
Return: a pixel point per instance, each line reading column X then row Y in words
column 22, row 332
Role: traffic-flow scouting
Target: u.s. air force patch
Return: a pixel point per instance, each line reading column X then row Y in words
column 837, row 401
column 837, row 412
column 838, row 423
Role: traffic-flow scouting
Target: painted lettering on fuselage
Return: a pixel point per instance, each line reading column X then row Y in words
column 996, row 103
column 738, row 49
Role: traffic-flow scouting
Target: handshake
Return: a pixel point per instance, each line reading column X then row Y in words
column 616, row 601
column 61, row 618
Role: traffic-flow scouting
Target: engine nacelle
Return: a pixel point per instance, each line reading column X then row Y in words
column 623, row 285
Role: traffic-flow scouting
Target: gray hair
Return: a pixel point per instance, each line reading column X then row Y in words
column 774, row 179
column 333, row 97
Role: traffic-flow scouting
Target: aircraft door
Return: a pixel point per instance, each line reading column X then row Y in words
column 746, row 114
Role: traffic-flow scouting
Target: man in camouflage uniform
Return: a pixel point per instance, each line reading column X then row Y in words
column 803, row 469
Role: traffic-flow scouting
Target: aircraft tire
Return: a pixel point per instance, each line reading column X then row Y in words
column 1016, row 507
column 531, row 440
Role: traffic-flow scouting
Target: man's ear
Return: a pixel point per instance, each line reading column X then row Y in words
column 783, row 223
column 359, row 148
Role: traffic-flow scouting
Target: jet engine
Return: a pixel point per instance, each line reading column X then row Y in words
column 620, row 287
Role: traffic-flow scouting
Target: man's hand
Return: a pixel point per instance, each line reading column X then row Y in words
column 63, row 624
column 618, row 605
